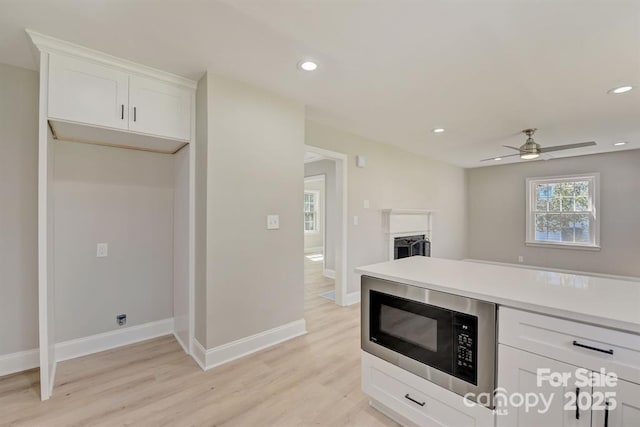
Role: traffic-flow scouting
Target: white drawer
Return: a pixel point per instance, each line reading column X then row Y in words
column 568, row 342
column 417, row 399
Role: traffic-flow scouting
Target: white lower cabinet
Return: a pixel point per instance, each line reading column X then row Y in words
column 601, row 369
column 622, row 409
column 414, row 401
column 518, row 376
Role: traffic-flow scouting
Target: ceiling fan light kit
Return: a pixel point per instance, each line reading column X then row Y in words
column 531, row 150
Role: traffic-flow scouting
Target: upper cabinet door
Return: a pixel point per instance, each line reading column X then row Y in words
column 86, row 92
column 159, row 108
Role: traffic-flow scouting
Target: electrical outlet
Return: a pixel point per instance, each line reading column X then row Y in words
column 365, row 204
column 520, row 258
column 121, row 319
column 355, row 220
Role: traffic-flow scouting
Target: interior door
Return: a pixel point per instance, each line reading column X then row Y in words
column 86, row 92
column 517, row 375
column 159, row 108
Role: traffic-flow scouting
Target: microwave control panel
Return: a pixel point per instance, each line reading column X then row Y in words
column 465, row 347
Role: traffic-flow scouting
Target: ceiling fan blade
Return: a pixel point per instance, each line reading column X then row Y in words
column 567, row 147
column 513, row 148
column 502, row 157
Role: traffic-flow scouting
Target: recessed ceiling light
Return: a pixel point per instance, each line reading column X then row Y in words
column 308, row 65
column 438, row 130
column 618, row 144
column 497, row 159
column 621, row 89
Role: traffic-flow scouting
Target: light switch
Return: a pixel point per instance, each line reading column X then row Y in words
column 273, row 222
column 102, row 250
column 365, row 204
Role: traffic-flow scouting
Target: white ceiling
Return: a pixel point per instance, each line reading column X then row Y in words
column 390, row 70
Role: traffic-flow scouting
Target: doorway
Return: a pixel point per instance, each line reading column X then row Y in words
column 325, row 220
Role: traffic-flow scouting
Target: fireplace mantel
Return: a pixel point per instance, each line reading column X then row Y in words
column 406, row 222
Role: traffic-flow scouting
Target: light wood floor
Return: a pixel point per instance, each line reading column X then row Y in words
column 310, row 380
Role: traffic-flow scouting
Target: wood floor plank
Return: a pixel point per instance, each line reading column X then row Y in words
column 312, row 380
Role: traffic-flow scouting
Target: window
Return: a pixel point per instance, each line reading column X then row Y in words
column 563, row 211
column 311, row 211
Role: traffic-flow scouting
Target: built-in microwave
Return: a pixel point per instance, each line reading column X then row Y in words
column 448, row 339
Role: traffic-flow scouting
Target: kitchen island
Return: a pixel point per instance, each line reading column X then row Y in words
column 602, row 301
column 565, row 323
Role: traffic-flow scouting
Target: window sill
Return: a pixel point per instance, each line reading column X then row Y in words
column 562, row 246
column 311, row 232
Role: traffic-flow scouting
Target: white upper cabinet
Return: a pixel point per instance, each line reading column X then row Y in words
column 159, row 108
column 87, row 92
column 101, row 94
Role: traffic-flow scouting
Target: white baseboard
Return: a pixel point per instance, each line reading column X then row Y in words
column 236, row 349
column 199, row 354
column 19, row 361
column 331, row 274
column 314, row 250
column 95, row 343
column 352, row 298
column 184, row 346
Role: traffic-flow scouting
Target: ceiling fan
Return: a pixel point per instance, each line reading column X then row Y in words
column 531, row 150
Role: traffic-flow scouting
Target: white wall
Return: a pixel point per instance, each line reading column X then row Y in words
column 327, row 168
column 497, row 197
column 255, row 146
column 315, row 239
column 18, row 209
column 394, row 179
column 124, row 198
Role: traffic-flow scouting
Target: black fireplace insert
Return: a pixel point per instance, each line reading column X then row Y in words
column 407, row 246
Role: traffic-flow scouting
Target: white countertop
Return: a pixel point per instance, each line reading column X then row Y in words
column 601, row 301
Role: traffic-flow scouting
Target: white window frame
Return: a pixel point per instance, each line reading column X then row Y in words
column 594, row 201
column 316, row 227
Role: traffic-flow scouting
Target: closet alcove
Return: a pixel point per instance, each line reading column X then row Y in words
column 116, row 167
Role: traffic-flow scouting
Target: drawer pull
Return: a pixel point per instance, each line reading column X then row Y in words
column 588, row 347
column 406, row 396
